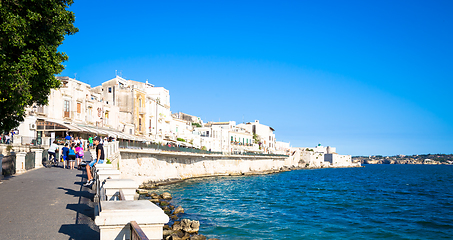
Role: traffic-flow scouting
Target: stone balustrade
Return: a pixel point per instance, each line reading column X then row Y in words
column 113, row 217
column 111, row 187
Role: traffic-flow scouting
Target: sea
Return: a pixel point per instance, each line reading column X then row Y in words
column 372, row 202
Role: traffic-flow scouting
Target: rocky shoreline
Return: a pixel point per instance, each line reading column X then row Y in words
column 177, row 228
column 155, row 184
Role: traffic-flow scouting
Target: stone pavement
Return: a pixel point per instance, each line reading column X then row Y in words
column 47, row 203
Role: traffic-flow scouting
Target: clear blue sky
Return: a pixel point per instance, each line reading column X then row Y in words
column 367, row 77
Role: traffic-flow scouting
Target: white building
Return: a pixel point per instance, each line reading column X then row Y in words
column 264, row 132
column 72, row 109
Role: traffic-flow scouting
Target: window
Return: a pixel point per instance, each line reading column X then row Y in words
column 139, row 124
column 66, row 108
column 89, row 113
column 110, row 89
column 79, row 107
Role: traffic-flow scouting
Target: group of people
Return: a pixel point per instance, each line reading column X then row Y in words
column 70, row 153
column 6, row 138
column 73, row 151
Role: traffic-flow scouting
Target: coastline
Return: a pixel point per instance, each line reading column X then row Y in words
column 156, row 184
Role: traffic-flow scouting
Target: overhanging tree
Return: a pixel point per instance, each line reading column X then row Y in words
column 30, row 33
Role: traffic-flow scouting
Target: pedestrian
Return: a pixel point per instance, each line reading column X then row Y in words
column 90, row 141
column 99, row 159
column 64, row 154
column 79, row 154
column 71, row 156
column 7, row 139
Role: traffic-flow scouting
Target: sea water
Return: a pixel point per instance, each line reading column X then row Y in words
column 373, row 202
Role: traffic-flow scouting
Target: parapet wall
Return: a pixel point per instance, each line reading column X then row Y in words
column 145, row 165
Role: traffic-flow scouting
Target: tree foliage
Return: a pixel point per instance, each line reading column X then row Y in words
column 30, row 33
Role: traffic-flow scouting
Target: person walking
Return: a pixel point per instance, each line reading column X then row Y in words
column 90, row 141
column 99, row 159
column 71, row 156
column 79, row 154
column 64, row 154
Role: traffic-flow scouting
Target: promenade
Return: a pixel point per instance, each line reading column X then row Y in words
column 47, row 203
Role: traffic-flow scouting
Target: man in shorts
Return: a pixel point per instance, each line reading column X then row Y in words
column 99, row 159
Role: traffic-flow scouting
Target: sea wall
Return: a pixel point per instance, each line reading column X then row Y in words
column 151, row 166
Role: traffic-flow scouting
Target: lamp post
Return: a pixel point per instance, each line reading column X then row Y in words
column 157, row 104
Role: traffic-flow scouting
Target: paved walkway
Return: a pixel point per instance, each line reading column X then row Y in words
column 47, row 203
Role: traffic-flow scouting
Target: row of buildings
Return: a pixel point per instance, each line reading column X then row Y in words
column 137, row 111
column 132, row 110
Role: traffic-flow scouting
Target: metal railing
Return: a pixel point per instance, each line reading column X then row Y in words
column 161, row 147
column 142, row 145
column 137, row 232
column 30, row 160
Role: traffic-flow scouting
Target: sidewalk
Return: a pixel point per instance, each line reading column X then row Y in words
column 47, row 203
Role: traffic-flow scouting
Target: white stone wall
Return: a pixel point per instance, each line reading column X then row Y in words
column 143, row 166
column 338, row 160
column 313, row 159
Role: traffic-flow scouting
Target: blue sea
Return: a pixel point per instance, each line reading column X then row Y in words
column 373, row 202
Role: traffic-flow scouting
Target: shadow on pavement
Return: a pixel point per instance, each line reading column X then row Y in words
column 82, row 209
column 79, row 232
column 75, row 193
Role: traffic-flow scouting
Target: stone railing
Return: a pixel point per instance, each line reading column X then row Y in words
column 114, row 217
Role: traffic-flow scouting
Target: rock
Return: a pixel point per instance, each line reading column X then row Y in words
column 179, row 209
column 176, row 226
column 167, row 227
column 148, row 185
column 156, row 201
column 174, row 217
column 166, row 196
column 154, row 195
column 190, row 226
column 142, row 191
column 167, row 232
column 197, row 237
column 179, row 235
column 164, row 203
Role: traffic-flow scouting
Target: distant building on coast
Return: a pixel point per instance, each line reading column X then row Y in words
column 321, row 156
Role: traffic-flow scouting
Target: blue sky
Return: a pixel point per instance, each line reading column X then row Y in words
column 366, row 77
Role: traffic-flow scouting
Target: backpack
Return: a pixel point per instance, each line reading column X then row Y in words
column 81, row 152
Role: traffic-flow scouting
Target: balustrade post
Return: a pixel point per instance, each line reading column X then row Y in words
column 20, row 162
column 38, row 157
